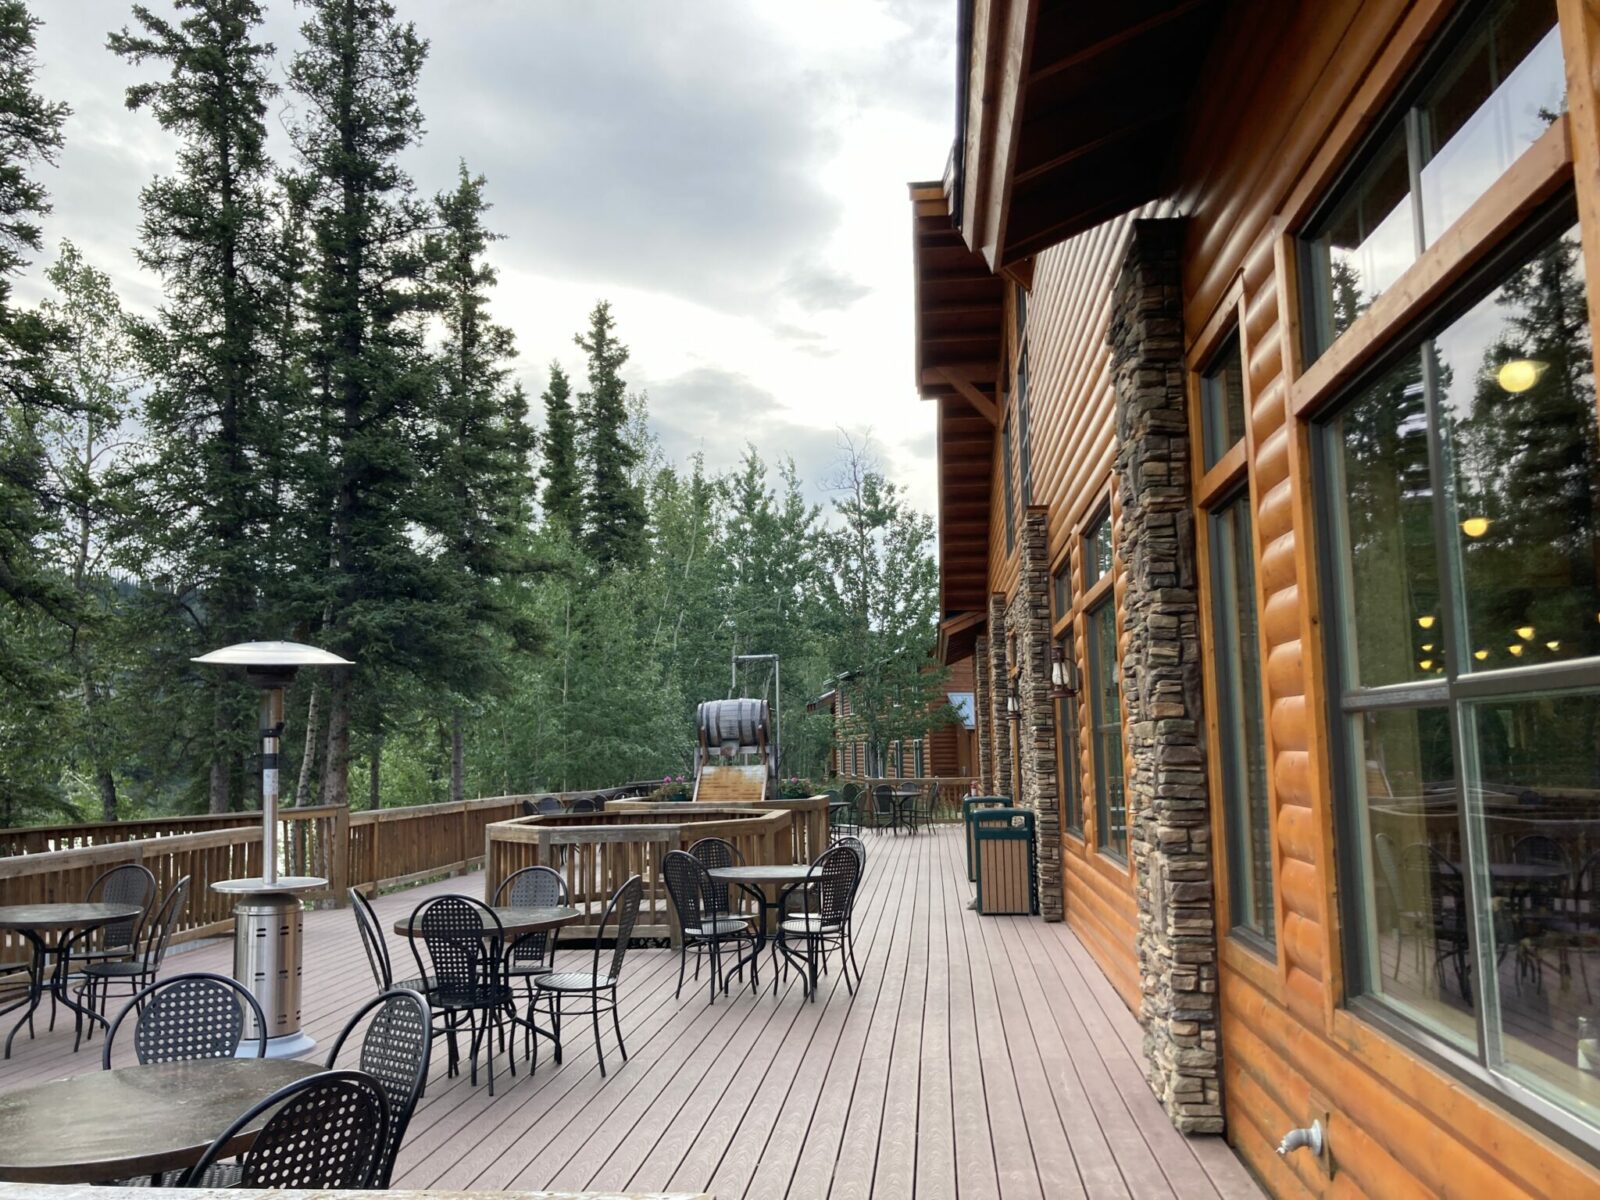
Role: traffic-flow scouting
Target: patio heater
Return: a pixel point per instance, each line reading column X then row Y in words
column 267, row 914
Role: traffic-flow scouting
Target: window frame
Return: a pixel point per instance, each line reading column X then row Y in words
column 1457, row 691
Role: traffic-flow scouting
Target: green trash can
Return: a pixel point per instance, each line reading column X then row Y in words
column 970, row 805
column 1007, row 875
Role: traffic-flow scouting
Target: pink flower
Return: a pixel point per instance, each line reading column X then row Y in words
column 666, row 779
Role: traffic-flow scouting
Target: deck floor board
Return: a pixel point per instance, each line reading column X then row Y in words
column 981, row 1058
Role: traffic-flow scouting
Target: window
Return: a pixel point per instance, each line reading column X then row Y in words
column 1222, row 402
column 1105, row 715
column 1461, row 491
column 1236, row 646
column 1010, row 485
column 1025, row 442
column 1496, row 86
column 1061, row 589
column 1097, row 549
column 1067, row 744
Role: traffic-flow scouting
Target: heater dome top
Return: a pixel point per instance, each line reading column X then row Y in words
column 272, row 654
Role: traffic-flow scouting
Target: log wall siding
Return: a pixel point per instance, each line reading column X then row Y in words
column 1398, row 1126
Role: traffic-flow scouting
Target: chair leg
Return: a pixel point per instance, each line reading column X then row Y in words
column 599, row 1050
column 616, row 1023
column 683, row 961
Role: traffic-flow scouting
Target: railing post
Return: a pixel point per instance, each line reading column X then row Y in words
column 339, row 866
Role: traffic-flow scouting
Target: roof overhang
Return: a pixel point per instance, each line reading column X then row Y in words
column 1072, row 115
column 958, row 636
column 960, row 313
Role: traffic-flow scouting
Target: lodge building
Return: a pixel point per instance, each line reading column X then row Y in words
column 1262, row 353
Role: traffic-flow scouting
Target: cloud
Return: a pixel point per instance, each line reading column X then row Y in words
column 817, row 287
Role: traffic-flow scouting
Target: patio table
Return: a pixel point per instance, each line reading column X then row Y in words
column 133, row 1121
column 514, row 922
column 753, row 879
column 67, row 923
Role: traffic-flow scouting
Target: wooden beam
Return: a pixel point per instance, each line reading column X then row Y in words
column 973, row 396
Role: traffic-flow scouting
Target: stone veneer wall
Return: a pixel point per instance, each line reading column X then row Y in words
column 1028, row 618
column 999, row 779
column 1170, row 830
column 980, row 713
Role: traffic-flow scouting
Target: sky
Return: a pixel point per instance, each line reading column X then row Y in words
column 730, row 174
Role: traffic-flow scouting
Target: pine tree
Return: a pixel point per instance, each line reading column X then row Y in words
column 479, row 467
column 613, row 511
column 30, row 501
column 357, row 78
column 563, row 499
column 207, row 232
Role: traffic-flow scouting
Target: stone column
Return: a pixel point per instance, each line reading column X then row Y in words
column 1169, row 831
column 1028, row 620
column 982, row 699
column 999, row 687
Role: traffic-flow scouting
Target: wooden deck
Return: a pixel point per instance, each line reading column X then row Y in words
column 982, row 1057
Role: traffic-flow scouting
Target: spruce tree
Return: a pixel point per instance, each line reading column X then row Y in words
column 207, row 232
column 563, row 499
column 356, row 79
column 613, row 510
column 30, row 500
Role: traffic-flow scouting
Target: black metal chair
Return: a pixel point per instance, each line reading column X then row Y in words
column 711, row 853
column 828, row 895
column 701, row 923
column 395, row 1048
column 326, row 1131
column 884, row 813
column 130, row 883
column 599, row 986
column 1434, row 885
column 466, row 944
column 190, row 1017
column 548, row 805
column 140, row 970
column 377, row 948
column 859, row 847
column 585, row 804
column 532, row 953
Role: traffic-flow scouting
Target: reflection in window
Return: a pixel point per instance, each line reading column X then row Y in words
column 1222, row 402
column 1385, row 532
column 1097, row 550
column 1025, row 443
column 1105, row 715
column 1516, row 390
column 1061, row 585
column 1010, row 485
column 1067, row 741
column 1537, row 771
column 1236, row 643
column 1499, row 87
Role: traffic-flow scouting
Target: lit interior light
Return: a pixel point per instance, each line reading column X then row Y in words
column 1519, row 374
column 1514, row 651
column 1552, row 645
column 1427, row 622
column 1525, row 632
column 1475, row 527
column 1480, row 655
column 1427, row 645
column 1426, row 664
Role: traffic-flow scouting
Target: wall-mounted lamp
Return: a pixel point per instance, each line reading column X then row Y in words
column 1013, row 705
column 1063, row 674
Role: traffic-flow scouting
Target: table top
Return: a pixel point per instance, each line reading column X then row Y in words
column 761, row 873
column 1515, row 872
column 513, row 921
column 134, row 1120
column 64, row 916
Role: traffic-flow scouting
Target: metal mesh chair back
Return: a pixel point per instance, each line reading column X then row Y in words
column 1539, row 849
column 1434, row 887
column 328, row 1131
column 372, row 940
column 129, row 883
column 716, row 852
column 849, row 793
column 690, row 888
column 190, row 1017
column 621, row 914
column 453, row 930
column 548, row 804
column 585, row 804
column 857, row 847
column 158, row 933
column 833, row 879
column 394, row 1051
column 883, row 801
column 531, row 887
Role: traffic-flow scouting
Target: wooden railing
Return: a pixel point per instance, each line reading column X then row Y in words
column 951, row 789
column 366, row 849
column 597, row 852
column 809, row 827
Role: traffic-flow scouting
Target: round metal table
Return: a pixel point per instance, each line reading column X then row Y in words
column 133, row 1121
column 753, row 879
column 514, row 922
column 68, row 922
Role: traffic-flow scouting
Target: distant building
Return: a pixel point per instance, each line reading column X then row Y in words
column 947, row 752
column 1262, row 354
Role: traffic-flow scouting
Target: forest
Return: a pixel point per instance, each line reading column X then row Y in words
column 317, row 436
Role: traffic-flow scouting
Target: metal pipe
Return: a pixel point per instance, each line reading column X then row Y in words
column 271, row 734
column 1296, row 1138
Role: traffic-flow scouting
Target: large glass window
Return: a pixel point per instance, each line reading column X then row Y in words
column 1498, row 85
column 1025, row 442
column 1222, row 402
column 1236, row 645
column 1067, row 741
column 1097, row 550
column 1010, row 485
column 1461, row 489
column 1105, row 714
